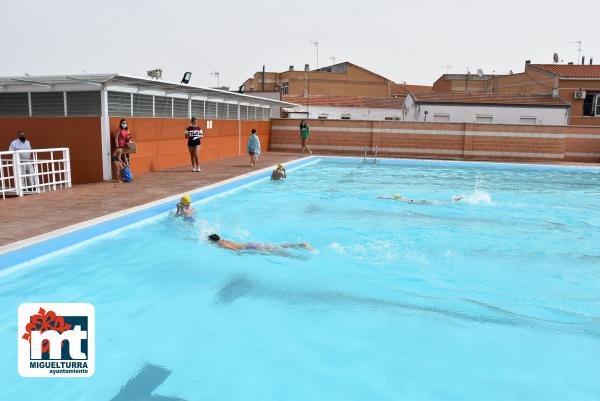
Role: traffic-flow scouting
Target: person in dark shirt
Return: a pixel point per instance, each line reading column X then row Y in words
column 194, row 135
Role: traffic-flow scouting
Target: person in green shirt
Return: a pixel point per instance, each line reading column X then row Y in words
column 304, row 135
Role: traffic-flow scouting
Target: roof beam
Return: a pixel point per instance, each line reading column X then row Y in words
column 31, row 82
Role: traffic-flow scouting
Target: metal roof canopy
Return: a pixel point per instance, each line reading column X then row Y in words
column 82, row 82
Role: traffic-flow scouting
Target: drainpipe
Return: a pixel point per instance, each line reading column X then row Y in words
column 105, row 135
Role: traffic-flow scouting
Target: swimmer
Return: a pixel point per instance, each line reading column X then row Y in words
column 185, row 209
column 278, row 173
column 276, row 249
column 404, row 199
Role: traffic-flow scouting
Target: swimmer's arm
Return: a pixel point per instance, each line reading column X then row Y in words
column 228, row 245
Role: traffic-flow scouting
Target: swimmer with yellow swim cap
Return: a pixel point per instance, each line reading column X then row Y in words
column 278, row 173
column 185, row 209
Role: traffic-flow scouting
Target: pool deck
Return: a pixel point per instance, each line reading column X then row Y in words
column 28, row 216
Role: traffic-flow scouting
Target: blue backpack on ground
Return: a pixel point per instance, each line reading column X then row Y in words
column 126, row 175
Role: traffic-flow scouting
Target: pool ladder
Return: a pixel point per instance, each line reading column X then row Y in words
column 374, row 158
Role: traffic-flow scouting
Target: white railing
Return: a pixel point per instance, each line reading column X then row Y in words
column 33, row 171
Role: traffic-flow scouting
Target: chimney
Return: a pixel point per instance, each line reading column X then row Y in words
column 527, row 62
column 591, row 59
column 291, row 68
column 582, row 60
column 570, row 63
column 306, row 67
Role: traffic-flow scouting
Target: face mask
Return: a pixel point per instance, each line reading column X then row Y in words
column 22, row 139
column 123, row 125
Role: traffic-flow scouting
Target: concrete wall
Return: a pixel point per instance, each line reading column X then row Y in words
column 442, row 140
column 80, row 134
column 356, row 113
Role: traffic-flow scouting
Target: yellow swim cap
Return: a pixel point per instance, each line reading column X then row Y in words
column 280, row 167
column 186, row 200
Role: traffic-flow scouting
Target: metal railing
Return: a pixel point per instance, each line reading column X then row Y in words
column 33, row 171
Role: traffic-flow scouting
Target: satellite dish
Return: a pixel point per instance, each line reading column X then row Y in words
column 479, row 72
column 555, row 58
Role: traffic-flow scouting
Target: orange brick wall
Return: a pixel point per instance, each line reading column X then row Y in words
column 80, row 134
column 442, row 140
column 161, row 143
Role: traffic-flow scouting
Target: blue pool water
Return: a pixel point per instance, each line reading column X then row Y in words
column 496, row 297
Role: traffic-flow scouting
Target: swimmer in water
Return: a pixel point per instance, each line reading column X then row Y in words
column 185, row 209
column 404, row 199
column 278, row 173
column 276, row 249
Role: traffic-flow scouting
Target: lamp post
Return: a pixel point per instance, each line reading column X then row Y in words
column 316, row 44
column 216, row 74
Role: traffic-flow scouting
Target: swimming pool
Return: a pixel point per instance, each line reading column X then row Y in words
column 493, row 297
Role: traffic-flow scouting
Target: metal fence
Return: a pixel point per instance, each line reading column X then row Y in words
column 33, row 171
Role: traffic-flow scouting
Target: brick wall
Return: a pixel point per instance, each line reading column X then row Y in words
column 442, row 140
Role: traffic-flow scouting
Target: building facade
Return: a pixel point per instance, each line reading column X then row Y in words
column 342, row 79
column 481, row 108
column 81, row 111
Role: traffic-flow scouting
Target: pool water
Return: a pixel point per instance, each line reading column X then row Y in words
column 494, row 297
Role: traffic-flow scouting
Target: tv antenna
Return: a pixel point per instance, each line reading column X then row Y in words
column 447, row 67
column 316, row 44
column 332, row 59
column 216, row 75
column 480, row 73
column 579, row 49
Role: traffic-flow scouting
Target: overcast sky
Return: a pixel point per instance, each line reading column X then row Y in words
column 401, row 40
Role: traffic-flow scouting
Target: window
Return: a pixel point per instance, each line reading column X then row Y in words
column 484, row 119
column 119, row 104
column 14, row 104
column 531, row 120
column 48, row 104
column 284, row 88
column 83, row 103
column 591, row 105
column 345, row 116
column 323, row 116
column 441, row 118
column 180, row 108
column 163, row 106
column 143, row 105
column 393, row 118
column 211, row 110
column 198, row 108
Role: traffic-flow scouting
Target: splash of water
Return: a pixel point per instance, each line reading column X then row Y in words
column 478, row 196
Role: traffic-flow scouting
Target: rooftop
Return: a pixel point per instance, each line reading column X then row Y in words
column 59, row 83
column 403, row 89
column 347, row 101
column 488, row 98
column 571, row 70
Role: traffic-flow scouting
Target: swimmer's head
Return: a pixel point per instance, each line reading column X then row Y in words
column 186, row 200
column 398, row 196
column 214, row 237
column 280, row 167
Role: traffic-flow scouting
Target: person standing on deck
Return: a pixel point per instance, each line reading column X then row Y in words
column 253, row 148
column 194, row 136
column 304, row 135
